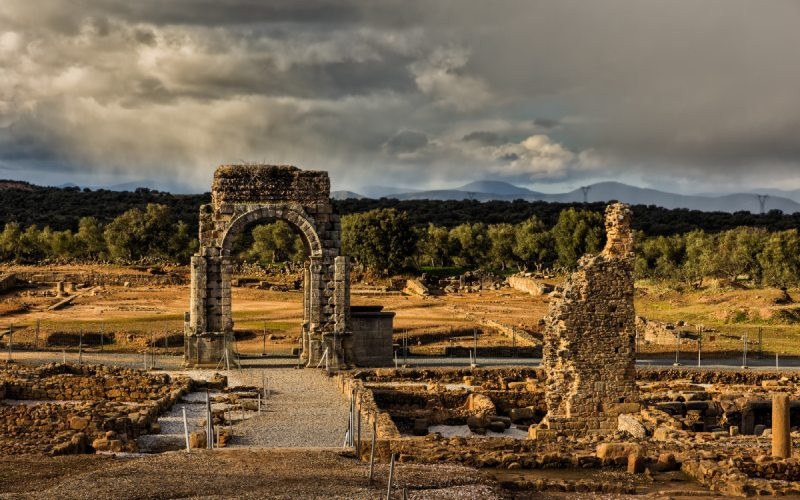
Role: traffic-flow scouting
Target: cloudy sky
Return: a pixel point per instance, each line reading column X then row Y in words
column 682, row 95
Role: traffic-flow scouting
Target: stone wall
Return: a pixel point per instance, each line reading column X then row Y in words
column 88, row 383
column 7, row 282
column 655, row 332
column 102, row 279
column 588, row 348
column 529, row 285
column 62, row 409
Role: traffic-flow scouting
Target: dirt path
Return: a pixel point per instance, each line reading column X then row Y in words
column 231, row 474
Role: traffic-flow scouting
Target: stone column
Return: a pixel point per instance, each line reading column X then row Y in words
column 197, row 301
column 316, row 345
column 304, row 352
column 781, row 437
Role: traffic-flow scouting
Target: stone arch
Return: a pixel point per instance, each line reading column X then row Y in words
column 295, row 217
column 241, row 195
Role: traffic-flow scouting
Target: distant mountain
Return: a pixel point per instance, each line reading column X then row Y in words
column 16, row 185
column 346, row 195
column 606, row 191
column 793, row 194
column 384, row 191
column 496, row 187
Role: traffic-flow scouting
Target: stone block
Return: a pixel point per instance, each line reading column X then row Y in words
column 617, row 451
column 627, row 423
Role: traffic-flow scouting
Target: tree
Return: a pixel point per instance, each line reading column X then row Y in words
column 698, row 264
column 501, row 250
column 89, row 238
column 135, row 235
column 576, row 233
column 736, row 252
column 660, row 257
column 472, row 244
column 35, row 245
column 780, row 259
column 533, row 243
column 381, row 239
column 433, row 245
column 125, row 236
column 181, row 246
column 10, row 243
column 276, row 242
column 62, row 245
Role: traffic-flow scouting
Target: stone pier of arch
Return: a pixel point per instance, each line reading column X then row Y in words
column 240, row 196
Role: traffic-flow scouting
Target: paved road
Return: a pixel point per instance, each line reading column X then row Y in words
column 174, row 362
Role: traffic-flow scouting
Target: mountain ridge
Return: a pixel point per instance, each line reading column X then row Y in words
column 607, row 191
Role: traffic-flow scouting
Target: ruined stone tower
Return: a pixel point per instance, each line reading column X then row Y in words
column 240, row 196
column 589, row 339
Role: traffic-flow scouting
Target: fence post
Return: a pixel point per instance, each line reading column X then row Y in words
column 699, row 346
column 36, row 338
column 391, row 476
column 209, row 423
column 514, row 341
column 186, row 429
column 358, row 433
column 744, row 350
column 372, row 451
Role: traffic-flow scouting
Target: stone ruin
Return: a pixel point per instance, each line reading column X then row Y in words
column 242, row 195
column 589, row 340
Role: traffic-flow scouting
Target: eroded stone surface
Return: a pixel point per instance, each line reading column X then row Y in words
column 246, row 194
column 589, row 339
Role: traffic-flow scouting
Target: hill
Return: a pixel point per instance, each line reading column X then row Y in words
column 61, row 208
column 608, row 191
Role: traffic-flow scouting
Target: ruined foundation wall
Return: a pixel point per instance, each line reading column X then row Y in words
column 589, row 339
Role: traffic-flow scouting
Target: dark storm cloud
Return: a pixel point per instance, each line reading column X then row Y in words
column 485, row 138
column 545, row 122
column 405, row 91
column 406, row 141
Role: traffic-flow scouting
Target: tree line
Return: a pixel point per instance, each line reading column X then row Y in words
column 387, row 241
column 744, row 253
column 149, row 235
column 62, row 208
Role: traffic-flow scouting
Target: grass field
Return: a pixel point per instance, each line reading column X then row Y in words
column 139, row 316
column 733, row 312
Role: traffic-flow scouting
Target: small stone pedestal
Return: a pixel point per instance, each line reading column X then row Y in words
column 207, row 349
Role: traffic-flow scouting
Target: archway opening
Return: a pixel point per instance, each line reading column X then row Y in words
column 268, row 257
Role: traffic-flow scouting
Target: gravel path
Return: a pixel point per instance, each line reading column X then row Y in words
column 304, row 409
